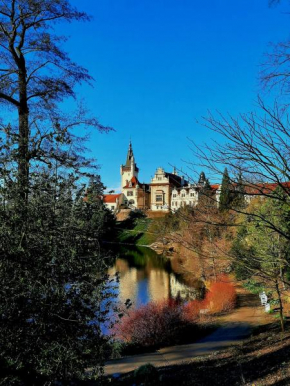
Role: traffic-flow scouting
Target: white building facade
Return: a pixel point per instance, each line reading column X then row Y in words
column 161, row 187
column 187, row 195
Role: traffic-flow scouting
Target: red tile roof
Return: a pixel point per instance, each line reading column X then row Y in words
column 215, row 187
column 265, row 188
column 134, row 181
column 111, row 198
column 258, row 188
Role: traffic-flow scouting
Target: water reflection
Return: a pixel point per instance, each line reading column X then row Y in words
column 146, row 276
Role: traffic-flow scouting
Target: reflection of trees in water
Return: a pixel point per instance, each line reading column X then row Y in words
column 144, row 257
column 179, row 289
column 146, row 276
column 128, row 280
column 189, row 278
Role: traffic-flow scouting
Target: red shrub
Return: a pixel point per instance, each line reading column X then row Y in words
column 221, row 296
column 150, row 325
column 158, row 323
column 192, row 310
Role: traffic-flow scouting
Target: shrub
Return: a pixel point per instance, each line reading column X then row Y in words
column 221, row 296
column 151, row 325
column 191, row 311
column 146, row 374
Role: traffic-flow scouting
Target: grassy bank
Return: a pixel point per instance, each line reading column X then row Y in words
column 137, row 230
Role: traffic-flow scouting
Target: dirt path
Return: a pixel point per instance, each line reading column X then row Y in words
column 235, row 326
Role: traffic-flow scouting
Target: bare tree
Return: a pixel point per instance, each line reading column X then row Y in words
column 35, row 75
column 254, row 145
column 275, row 69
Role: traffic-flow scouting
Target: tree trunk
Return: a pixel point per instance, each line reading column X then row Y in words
column 212, row 254
column 280, row 306
column 23, row 142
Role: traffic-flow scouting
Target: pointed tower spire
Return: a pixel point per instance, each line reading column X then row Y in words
column 130, row 168
column 130, row 154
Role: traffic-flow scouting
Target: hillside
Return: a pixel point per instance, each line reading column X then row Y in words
column 137, row 230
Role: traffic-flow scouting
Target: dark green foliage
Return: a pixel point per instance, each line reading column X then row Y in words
column 146, row 374
column 97, row 216
column 171, row 221
column 205, row 196
column 281, row 205
column 238, row 196
column 226, row 195
column 53, row 297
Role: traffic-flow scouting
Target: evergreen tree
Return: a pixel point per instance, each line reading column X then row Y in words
column 239, row 194
column 225, row 195
column 205, row 196
column 53, row 295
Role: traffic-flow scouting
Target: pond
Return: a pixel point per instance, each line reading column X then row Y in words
column 146, row 276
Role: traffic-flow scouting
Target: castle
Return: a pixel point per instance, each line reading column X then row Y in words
column 166, row 191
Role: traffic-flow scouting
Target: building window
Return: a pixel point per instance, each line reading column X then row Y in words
column 130, row 193
column 131, row 202
column 174, row 195
column 159, row 198
column 159, row 178
column 191, row 194
column 112, row 207
column 183, row 195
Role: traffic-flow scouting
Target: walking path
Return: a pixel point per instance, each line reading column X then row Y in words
column 235, row 326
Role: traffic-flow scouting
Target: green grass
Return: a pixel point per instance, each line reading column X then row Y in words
column 137, row 233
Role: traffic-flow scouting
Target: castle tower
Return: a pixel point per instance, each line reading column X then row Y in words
column 130, row 169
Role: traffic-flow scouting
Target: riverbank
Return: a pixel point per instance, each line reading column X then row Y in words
column 137, row 230
column 261, row 360
column 234, row 327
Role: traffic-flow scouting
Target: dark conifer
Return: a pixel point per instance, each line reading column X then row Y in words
column 225, row 195
column 239, row 194
column 53, row 297
column 205, row 197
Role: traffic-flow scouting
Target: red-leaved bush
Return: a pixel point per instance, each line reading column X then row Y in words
column 161, row 323
column 150, row 325
column 220, row 297
column 192, row 311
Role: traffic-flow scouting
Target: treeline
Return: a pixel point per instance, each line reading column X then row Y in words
column 54, row 296
column 250, row 228
column 247, row 235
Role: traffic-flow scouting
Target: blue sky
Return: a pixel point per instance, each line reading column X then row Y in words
column 160, row 65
